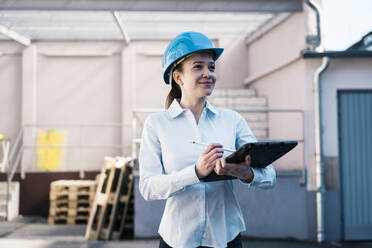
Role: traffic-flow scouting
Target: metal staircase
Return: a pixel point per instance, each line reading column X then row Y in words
column 9, row 209
column 248, row 104
column 9, row 191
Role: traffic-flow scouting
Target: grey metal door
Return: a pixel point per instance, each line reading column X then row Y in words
column 355, row 154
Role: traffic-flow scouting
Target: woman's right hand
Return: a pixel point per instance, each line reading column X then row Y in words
column 207, row 160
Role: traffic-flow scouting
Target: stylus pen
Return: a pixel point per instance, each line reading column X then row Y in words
column 203, row 144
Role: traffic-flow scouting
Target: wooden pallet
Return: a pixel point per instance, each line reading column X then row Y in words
column 124, row 222
column 68, row 215
column 69, row 211
column 73, row 186
column 67, row 220
column 112, row 198
column 71, row 196
column 71, row 201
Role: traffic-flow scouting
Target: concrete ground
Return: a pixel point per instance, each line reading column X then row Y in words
column 34, row 232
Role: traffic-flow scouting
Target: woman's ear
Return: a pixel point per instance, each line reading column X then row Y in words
column 177, row 76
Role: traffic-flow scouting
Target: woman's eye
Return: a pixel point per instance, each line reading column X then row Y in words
column 197, row 66
column 212, row 68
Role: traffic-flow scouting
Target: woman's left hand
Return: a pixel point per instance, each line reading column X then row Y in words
column 242, row 170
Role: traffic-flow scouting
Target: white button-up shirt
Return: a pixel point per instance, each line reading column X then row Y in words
column 196, row 213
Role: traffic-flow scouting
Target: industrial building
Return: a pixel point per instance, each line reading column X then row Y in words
column 78, row 79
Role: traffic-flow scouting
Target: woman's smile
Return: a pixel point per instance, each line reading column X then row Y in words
column 206, row 83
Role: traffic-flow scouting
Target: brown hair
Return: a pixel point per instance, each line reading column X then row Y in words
column 175, row 91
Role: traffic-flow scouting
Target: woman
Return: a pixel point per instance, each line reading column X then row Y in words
column 197, row 214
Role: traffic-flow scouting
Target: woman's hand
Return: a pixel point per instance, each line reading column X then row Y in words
column 208, row 159
column 242, row 170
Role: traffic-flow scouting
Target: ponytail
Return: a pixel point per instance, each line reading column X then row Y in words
column 174, row 93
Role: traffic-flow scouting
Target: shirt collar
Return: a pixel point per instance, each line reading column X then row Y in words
column 175, row 109
column 211, row 108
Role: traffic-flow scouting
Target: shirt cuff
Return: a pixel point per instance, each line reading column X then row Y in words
column 257, row 176
column 186, row 177
column 264, row 178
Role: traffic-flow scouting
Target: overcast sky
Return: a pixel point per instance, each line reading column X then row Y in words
column 345, row 22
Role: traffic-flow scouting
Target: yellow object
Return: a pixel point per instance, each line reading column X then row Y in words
column 1, row 136
column 49, row 154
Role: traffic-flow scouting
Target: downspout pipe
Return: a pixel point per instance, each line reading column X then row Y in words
column 317, row 11
column 318, row 158
column 320, row 187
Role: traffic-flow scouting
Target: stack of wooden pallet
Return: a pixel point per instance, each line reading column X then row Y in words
column 71, row 201
column 112, row 211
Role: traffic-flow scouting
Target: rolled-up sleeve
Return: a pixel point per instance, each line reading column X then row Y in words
column 264, row 178
column 154, row 184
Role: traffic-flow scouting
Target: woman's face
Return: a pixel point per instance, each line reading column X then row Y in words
column 198, row 75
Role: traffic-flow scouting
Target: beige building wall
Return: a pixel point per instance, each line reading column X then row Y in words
column 232, row 67
column 10, row 89
column 86, row 91
column 95, row 83
column 77, row 95
column 277, row 71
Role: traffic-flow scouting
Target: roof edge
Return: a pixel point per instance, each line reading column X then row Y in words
column 308, row 54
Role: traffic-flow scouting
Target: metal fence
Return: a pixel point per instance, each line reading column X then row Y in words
column 139, row 116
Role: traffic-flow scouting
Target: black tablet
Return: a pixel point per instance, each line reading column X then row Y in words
column 262, row 154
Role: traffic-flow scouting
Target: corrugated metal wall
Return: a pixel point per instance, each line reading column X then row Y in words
column 355, row 150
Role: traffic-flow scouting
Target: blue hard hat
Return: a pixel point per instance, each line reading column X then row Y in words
column 183, row 45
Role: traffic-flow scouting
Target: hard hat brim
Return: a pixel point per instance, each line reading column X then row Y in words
column 217, row 54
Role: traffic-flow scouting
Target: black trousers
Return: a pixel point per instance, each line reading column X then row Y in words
column 235, row 243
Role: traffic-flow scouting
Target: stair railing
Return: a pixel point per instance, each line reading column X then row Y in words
column 14, row 158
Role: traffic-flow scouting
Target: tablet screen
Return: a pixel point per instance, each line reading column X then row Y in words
column 262, row 154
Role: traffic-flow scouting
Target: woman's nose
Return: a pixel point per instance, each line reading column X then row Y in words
column 206, row 72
